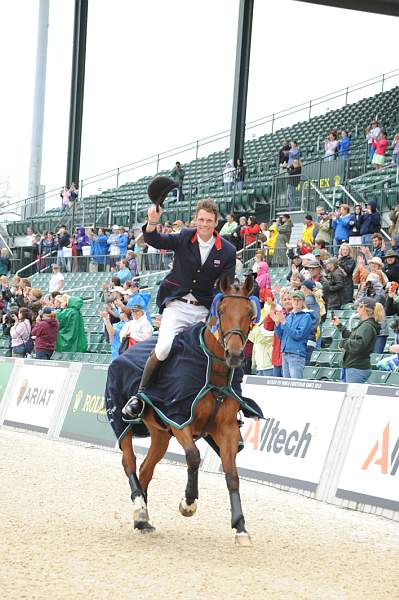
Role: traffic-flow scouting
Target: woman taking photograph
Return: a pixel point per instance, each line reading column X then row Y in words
column 20, row 333
column 359, row 343
column 347, row 264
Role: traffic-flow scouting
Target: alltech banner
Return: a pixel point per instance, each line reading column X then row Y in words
column 86, row 419
column 371, row 470
column 290, row 446
column 35, row 396
column 6, row 366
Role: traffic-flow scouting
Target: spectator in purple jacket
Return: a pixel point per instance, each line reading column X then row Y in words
column 81, row 240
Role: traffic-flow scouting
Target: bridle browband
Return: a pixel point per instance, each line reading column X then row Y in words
column 235, row 331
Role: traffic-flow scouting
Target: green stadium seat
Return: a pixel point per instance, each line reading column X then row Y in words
column 328, row 374
column 310, row 372
column 378, row 377
column 393, row 379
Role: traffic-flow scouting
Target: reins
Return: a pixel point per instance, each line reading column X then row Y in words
column 223, row 335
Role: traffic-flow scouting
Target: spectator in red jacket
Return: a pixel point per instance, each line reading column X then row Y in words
column 381, row 146
column 250, row 231
column 286, row 307
column 45, row 331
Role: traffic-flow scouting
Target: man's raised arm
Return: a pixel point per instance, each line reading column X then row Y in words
column 161, row 241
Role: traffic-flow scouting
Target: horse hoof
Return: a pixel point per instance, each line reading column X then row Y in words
column 243, row 539
column 140, row 513
column 144, row 527
column 187, row 510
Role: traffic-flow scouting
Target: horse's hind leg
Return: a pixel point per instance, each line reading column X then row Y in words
column 227, row 438
column 188, row 505
column 140, row 513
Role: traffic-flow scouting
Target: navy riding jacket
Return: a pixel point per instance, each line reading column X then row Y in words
column 188, row 275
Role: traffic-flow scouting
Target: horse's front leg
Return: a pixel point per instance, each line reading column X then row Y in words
column 227, row 436
column 188, row 505
column 139, row 499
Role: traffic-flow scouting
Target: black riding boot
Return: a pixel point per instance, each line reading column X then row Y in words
column 134, row 406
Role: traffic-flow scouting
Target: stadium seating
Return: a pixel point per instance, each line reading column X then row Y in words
column 204, row 175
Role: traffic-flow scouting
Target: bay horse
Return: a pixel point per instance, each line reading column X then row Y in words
column 214, row 415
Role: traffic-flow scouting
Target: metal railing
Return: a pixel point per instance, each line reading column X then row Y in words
column 192, row 150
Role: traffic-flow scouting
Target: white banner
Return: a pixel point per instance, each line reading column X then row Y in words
column 291, row 445
column 35, row 396
column 371, row 469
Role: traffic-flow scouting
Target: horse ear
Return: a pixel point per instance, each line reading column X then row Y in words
column 225, row 283
column 248, row 285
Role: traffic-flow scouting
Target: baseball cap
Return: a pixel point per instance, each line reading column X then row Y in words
column 309, row 284
column 367, row 301
column 332, row 261
column 118, row 288
column 137, row 307
column 298, row 294
column 47, row 310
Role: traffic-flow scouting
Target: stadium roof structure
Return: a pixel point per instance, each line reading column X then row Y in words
column 384, row 7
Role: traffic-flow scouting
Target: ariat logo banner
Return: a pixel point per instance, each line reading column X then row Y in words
column 35, row 396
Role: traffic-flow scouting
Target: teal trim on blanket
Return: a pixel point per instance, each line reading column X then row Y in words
column 208, row 387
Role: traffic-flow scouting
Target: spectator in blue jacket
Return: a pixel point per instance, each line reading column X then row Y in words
column 370, row 222
column 344, row 145
column 340, row 225
column 294, row 333
column 294, row 153
column 124, row 273
column 123, row 241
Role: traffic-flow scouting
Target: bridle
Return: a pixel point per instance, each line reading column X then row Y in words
column 224, row 336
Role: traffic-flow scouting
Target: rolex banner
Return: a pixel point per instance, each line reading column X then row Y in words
column 86, row 419
column 6, row 366
column 35, row 396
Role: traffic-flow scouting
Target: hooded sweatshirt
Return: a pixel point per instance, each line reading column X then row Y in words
column 263, row 276
column 392, row 271
column 45, row 332
column 82, row 239
column 370, row 222
column 71, row 334
column 359, row 343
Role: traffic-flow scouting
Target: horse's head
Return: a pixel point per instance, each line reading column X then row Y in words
column 236, row 313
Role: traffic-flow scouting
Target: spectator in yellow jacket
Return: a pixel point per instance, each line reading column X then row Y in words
column 271, row 242
column 308, row 231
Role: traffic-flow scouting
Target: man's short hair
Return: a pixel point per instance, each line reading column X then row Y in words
column 377, row 235
column 209, row 205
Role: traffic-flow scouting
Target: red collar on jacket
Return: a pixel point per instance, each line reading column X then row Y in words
column 218, row 240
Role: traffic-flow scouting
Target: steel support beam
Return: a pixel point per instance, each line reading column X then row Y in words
column 77, row 91
column 237, row 133
column 383, row 7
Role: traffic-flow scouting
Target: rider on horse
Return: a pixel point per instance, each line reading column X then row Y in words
column 185, row 296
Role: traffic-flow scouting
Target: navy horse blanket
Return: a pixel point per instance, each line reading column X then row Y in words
column 177, row 389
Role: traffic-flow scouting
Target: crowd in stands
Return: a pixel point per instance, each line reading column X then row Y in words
column 342, row 258
column 39, row 322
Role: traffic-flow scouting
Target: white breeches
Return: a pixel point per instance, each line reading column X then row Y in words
column 176, row 317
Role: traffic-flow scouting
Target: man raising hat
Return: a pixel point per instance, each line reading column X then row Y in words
column 185, row 295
